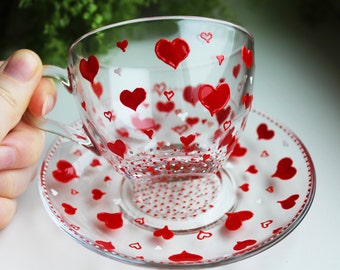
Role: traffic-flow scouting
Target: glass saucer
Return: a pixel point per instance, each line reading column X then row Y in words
column 275, row 181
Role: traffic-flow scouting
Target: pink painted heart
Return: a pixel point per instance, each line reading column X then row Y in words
column 165, row 107
column 285, row 169
column 122, row 45
column 104, row 245
column 236, row 70
column 244, row 244
column 65, row 172
column 220, row 59
column 140, row 221
column 206, row 36
column 172, row 52
column 146, row 123
column 69, row 209
column 263, row 132
column 190, row 94
column 89, row 68
column 118, row 147
column 247, row 56
column 187, row 140
column 97, row 194
column 159, row 88
column 97, row 89
column 132, row 99
column 111, row 220
column 164, row 232
column 235, row 219
column 185, row 256
column 214, row 99
column 289, row 202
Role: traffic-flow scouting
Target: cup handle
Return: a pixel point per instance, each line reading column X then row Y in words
column 73, row 133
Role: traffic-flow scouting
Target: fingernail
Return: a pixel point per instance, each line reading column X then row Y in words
column 21, row 66
column 48, row 104
column 7, row 157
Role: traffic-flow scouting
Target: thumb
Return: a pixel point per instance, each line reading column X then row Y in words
column 19, row 76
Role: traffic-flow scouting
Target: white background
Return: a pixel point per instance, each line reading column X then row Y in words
column 297, row 82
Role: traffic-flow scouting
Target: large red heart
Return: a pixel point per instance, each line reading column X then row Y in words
column 247, row 56
column 236, row 219
column 89, row 68
column 289, row 202
column 111, row 220
column 285, row 169
column 65, row 172
column 214, row 99
column 118, row 147
column 164, row 232
column 133, row 99
column 172, row 52
column 185, row 256
column 264, row 133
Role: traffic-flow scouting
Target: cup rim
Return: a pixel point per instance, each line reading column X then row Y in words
column 162, row 18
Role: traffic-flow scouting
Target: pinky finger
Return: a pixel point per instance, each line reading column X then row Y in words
column 7, row 211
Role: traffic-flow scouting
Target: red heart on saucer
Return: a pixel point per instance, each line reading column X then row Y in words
column 185, row 256
column 289, row 202
column 264, row 133
column 89, row 68
column 172, row 52
column 111, row 220
column 65, row 172
column 236, row 219
column 69, row 209
column 97, row 194
column 164, row 232
column 285, row 169
column 105, row 245
column 132, row 99
column 244, row 244
column 214, row 99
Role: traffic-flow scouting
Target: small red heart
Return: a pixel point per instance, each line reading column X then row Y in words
column 118, row 147
column 169, row 94
column 132, row 99
column 74, row 191
column 111, row 220
column 289, row 202
column 285, row 169
column 105, row 245
column 185, row 256
column 244, row 187
column 136, row 245
column 65, row 172
column 207, row 36
column 270, row 189
column 247, row 100
column 164, row 232
column 190, row 94
column 203, row 235
column 214, row 99
column 83, row 105
column 264, row 133
column 97, row 89
column 238, row 151
column 244, row 244
column 222, row 115
column 252, row 169
column 192, row 121
column 123, row 132
column 165, row 106
column 247, row 56
column 206, row 157
column 95, row 162
column 148, row 132
column 220, row 59
column 97, row 194
column 69, row 209
column 89, row 68
column 236, row 70
column 122, row 45
column 187, row 140
column 264, row 154
column 109, row 116
column 172, row 52
column 236, row 219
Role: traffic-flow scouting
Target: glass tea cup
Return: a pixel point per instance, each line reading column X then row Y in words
column 164, row 100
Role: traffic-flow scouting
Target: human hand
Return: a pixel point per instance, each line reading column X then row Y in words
column 21, row 89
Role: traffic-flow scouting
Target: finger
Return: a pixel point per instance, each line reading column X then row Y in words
column 19, row 76
column 43, row 98
column 7, row 211
column 21, row 147
column 14, row 182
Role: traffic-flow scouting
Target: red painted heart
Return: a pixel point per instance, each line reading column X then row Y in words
column 236, row 219
column 252, row 169
column 244, row 187
column 89, row 68
column 207, row 36
column 105, row 245
column 222, row 115
column 164, row 232
column 169, row 94
column 264, row 133
column 238, row 151
column 290, row 202
column 65, row 172
column 95, row 162
column 192, row 121
column 244, row 244
column 165, row 106
column 236, row 70
column 97, row 89
column 185, row 256
column 285, row 169
column 190, row 94
column 214, row 99
column 69, row 209
column 247, row 100
column 118, row 147
column 97, row 194
column 187, row 140
column 247, row 56
column 172, row 52
column 111, row 220
column 122, row 45
column 132, row 99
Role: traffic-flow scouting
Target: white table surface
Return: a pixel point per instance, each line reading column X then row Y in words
column 297, row 82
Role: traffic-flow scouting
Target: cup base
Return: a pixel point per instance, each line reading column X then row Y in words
column 183, row 205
